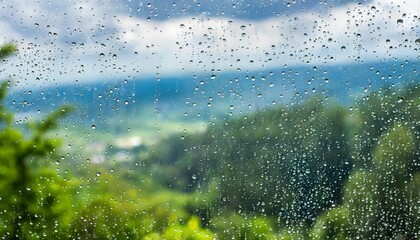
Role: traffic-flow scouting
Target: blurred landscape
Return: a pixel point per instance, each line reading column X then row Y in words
column 183, row 159
column 132, row 119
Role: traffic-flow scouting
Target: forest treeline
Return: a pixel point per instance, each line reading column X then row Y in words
column 324, row 170
column 309, row 170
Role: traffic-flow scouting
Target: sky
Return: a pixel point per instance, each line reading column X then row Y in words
column 77, row 42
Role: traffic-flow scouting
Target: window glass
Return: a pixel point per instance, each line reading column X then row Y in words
column 132, row 119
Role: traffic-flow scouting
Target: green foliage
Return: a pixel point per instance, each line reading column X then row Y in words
column 100, row 219
column 393, row 153
column 381, row 200
column 360, row 199
column 334, row 224
column 30, row 193
column 255, row 158
column 7, row 50
column 379, row 112
column 294, row 163
column 238, row 227
column 189, row 231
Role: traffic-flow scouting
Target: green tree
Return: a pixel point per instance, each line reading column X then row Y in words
column 382, row 200
column 290, row 161
column 332, row 225
column 30, row 203
column 237, row 226
column 378, row 113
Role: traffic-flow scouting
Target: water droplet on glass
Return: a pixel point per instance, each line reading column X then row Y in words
column 101, row 55
column 417, row 41
column 212, row 77
column 36, row 25
column 93, row 127
column 400, row 21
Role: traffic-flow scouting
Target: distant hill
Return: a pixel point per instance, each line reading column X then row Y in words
column 215, row 93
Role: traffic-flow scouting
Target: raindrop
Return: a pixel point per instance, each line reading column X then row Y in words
column 98, row 174
column 102, row 55
column 212, row 77
column 417, row 41
column 400, row 21
column 36, row 25
column 93, row 127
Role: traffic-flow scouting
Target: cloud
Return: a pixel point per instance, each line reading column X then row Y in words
column 69, row 42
